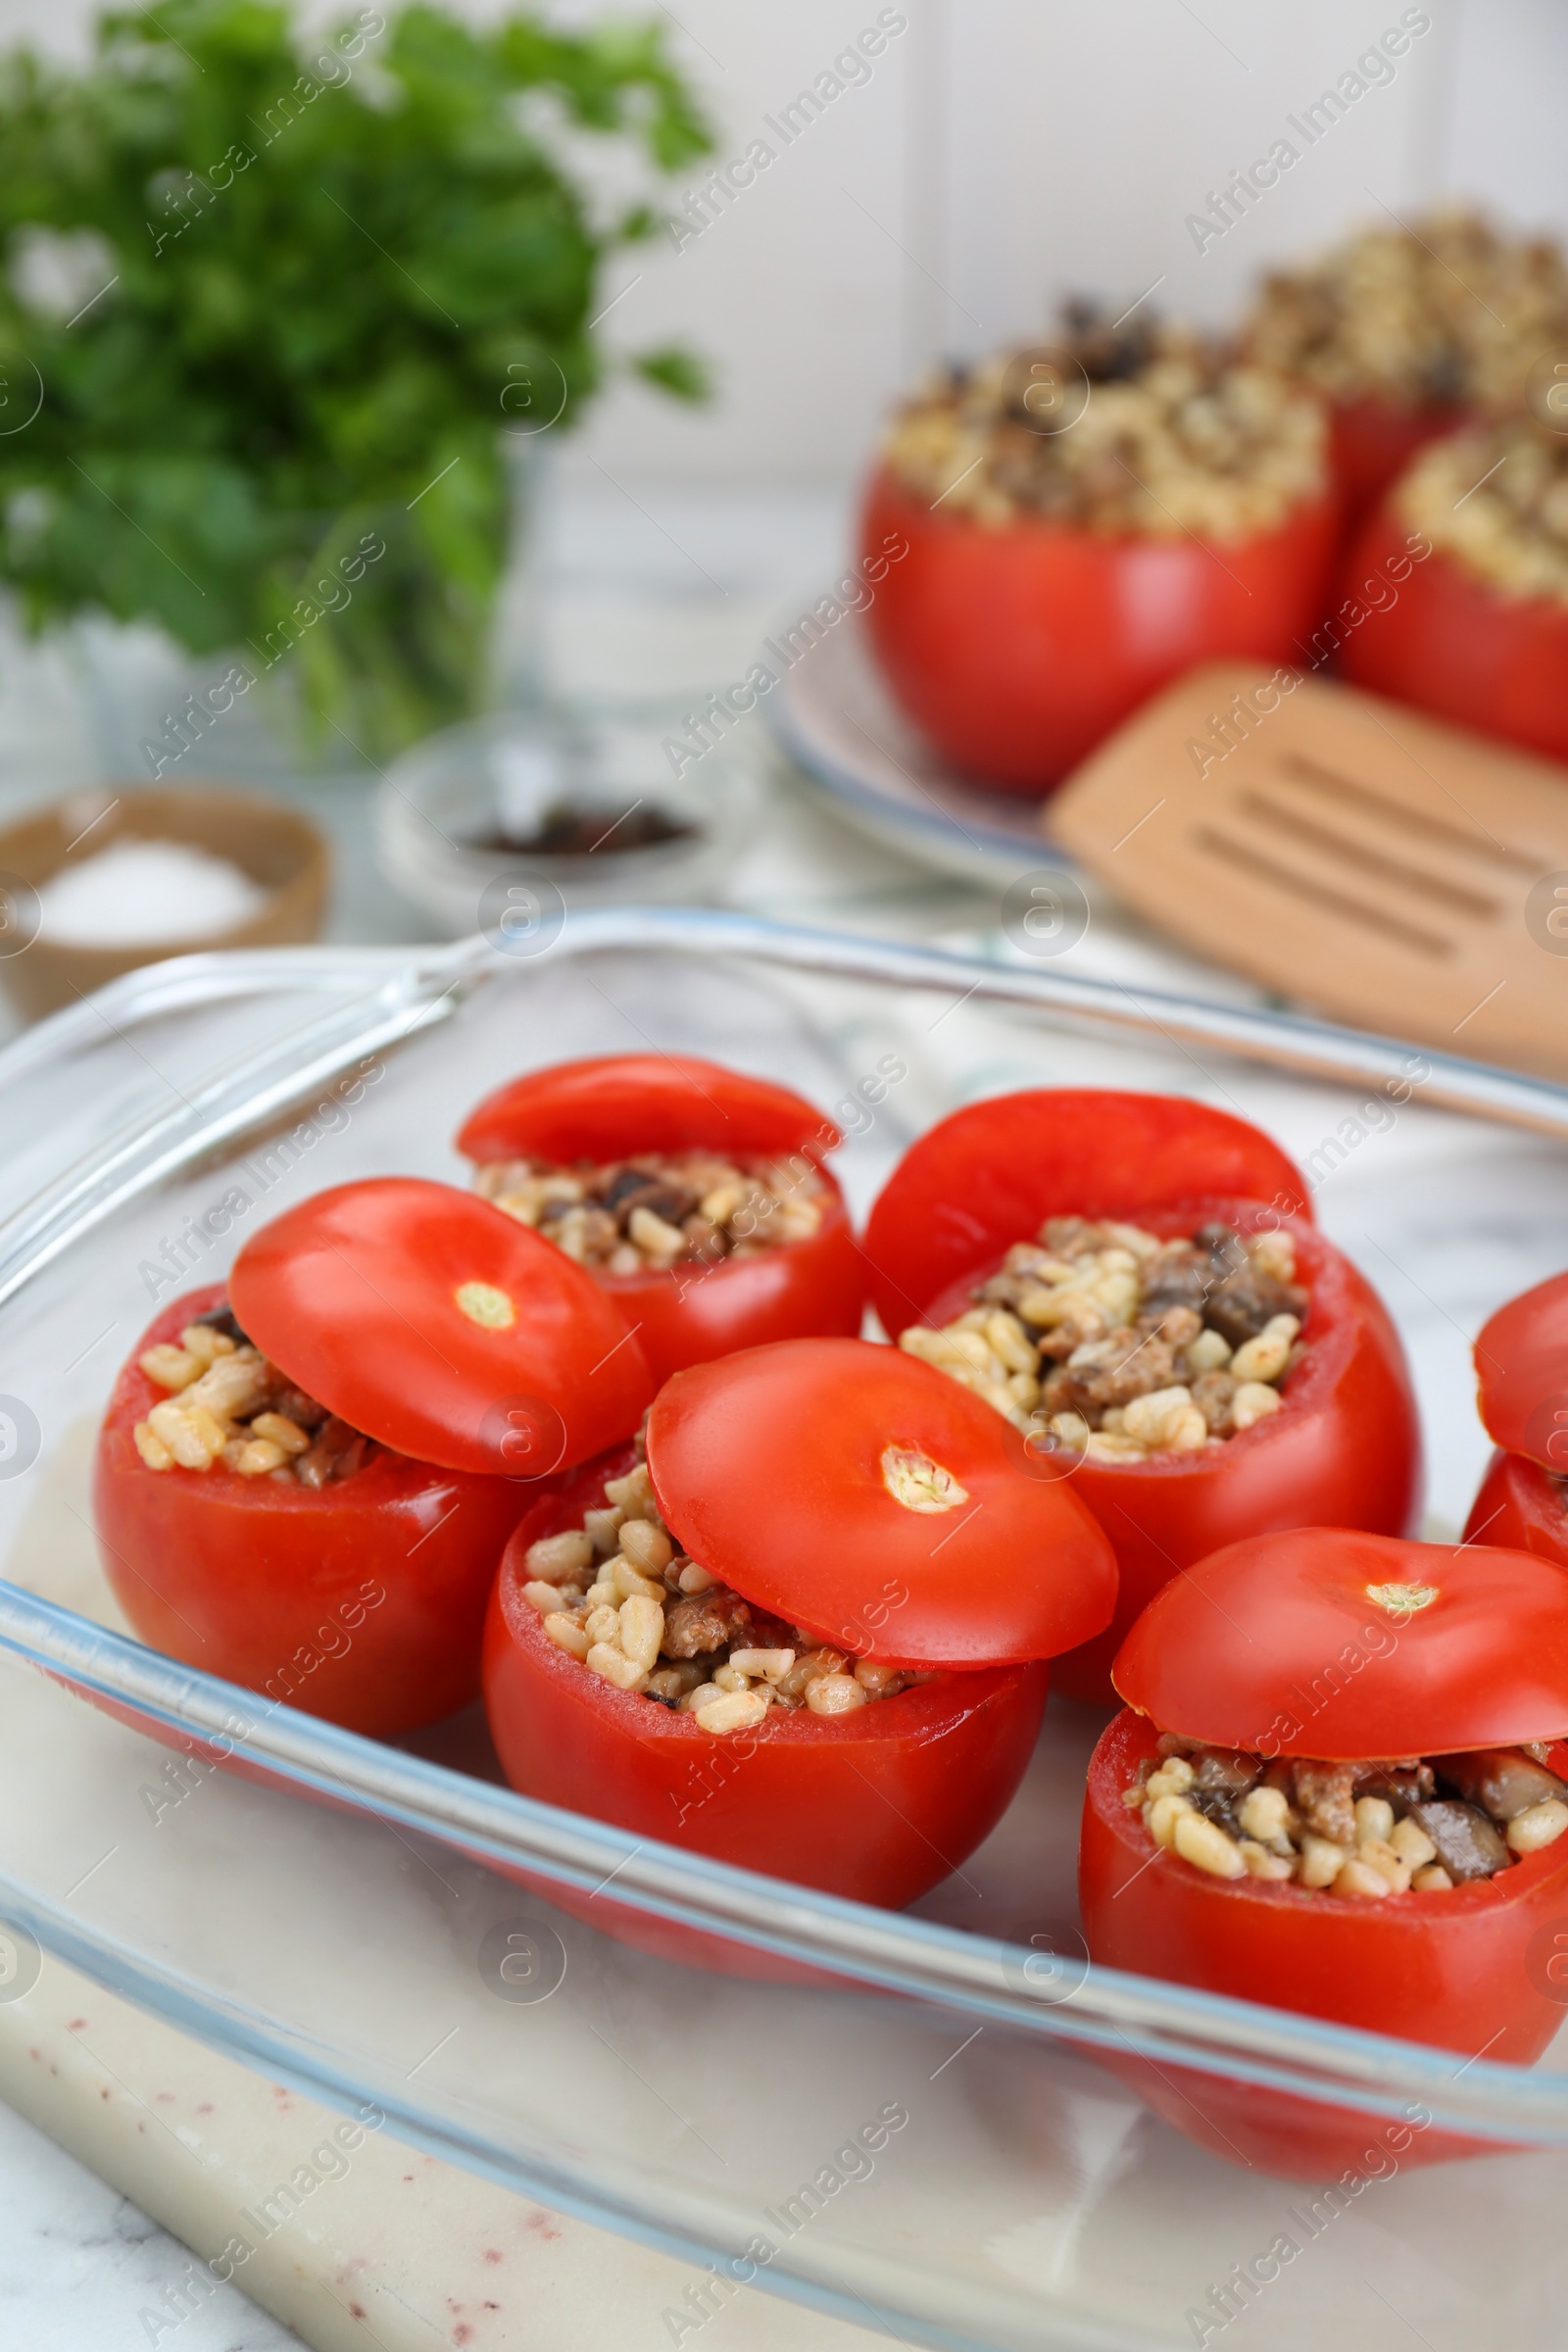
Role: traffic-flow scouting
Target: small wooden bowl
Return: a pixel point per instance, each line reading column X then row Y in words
column 278, row 847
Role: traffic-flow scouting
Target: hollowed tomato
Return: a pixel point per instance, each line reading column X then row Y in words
column 616, row 1106
column 1327, row 1643
column 1452, row 644
column 362, row 1602
column 879, row 1804
column 1015, row 651
column 472, row 1353
column 860, row 1496
column 1521, row 1358
column 1345, row 1446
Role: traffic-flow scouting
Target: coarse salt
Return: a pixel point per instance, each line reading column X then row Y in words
column 134, row 892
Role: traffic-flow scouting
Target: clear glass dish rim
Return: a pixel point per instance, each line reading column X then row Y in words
column 375, row 999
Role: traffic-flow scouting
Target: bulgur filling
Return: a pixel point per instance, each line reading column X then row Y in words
column 617, row 1594
column 1120, row 1345
column 1365, row 1831
column 657, row 1211
column 1447, row 311
column 226, row 1404
column 1177, row 436
column 1495, row 500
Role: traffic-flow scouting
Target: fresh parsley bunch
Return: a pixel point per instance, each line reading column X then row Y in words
column 265, row 297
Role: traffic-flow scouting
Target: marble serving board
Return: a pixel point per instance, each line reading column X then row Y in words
column 354, row 2239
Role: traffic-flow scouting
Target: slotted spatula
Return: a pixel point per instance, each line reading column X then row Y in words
column 1346, row 851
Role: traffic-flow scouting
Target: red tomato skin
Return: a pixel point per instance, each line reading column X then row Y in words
column 1449, row 1969
column 1021, row 1570
column 1371, row 442
column 1521, row 1357
column 356, row 1292
column 796, row 1290
column 1519, row 1505
column 877, row 1805
column 1344, row 1450
column 1297, row 1644
column 990, row 1174
column 612, row 1105
column 1015, row 651
column 238, row 1575
column 1452, row 645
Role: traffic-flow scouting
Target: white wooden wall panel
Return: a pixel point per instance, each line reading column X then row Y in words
column 1512, row 91
column 798, row 290
column 1004, row 152
column 1084, row 138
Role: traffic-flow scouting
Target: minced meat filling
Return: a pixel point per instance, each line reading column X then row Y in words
column 1446, row 310
column 1366, row 1830
column 1177, row 436
column 1495, row 499
column 226, row 1404
column 616, row 1594
column 657, row 1211
column 1119, row 1344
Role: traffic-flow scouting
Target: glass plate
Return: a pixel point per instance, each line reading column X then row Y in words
column 837, row 722
column 906, row 2119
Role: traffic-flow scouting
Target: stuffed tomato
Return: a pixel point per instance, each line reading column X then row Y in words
column 1372, row 442
column 805, row 1632
column 306, row 1478
column 1409, row 331
column 1479, row 630
column 1522, row 1381
column 696, row 1194
column 1057, row 534
column 1338, row 1788
column 1136, row 1283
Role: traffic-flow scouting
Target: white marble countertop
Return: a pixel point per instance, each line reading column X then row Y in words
column 81, row 2269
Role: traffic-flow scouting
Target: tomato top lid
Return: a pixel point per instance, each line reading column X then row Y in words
column 613, row 1105
column 865, row 1497
column 991, row 1174
column 441, row 1326
column 1325, row 1642
column 1521, row 1371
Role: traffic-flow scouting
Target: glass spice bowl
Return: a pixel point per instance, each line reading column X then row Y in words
column 592, row 813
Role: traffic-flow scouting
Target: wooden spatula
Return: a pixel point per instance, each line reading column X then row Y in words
column 1346, row 851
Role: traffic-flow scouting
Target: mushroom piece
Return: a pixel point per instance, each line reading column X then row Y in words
column 1469, row 1846
column 1501, row 1781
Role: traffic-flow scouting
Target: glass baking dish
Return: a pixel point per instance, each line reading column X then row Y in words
column 903, row 2119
